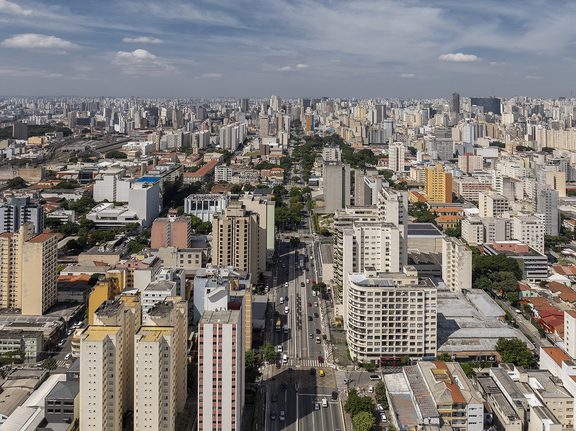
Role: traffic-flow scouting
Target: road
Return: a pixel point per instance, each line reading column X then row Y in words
column 303, row 345
column 526, row 327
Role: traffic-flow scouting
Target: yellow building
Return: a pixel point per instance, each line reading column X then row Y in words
column 438, row 185
column 28, row 273
column 104, row 290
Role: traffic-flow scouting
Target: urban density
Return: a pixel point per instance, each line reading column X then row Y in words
column 312, row 263
column 287, row 216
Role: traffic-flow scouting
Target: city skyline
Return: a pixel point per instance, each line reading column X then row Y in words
column 246, row 49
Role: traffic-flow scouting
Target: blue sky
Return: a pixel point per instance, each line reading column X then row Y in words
column 293, row 48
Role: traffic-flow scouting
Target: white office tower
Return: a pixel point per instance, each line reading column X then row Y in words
column 456, row 264
column 221, row 380
column 144, row 200
column 160, row 371
column 112, row 188
column 547, row 208
column 396, row 152
column 393, row 208
column 20, row 211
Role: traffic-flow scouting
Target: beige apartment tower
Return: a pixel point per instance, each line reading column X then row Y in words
column 456, row 264
column 28, row 273
column 236, row 239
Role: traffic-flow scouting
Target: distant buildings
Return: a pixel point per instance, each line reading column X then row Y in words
column 396, row 152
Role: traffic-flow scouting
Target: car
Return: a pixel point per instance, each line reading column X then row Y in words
column 375, row 377
column 282, row 416
column 316, row 315
column 286, row 310
column 318, row 340
column 309, row 304
column 283, row 265
column 286, row 298
column 320, row 359
column 322, row 373
column 307, row 280
column 313, row 281
column 316, row 406
column 274, row 398
column 318, row 330
column 314, row 293
column 315, row 304
column 324, row 402
column 309, row 318
column 273, row 415
column 313, row 371
column 278, row 364
column 310, row 335
column 279, row 349
column 380, row 408
column 283, row 387
column 68, row 356
column 302, row 284
column 281, row 300
column 370, row 389
column 334, row 395
column 286, row 284
column 383, row 417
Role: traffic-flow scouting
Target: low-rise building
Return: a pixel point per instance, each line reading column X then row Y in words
column 533, row 264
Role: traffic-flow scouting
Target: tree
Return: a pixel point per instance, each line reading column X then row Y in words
column 115, row 154
column 405, row 360
column 512, row 297
column 453, row 231
column 236, row 189
column 363, row 421
column 445, row 357
column 514, row 351
column 267, row 352
column 249, row 358
column 16, row 183
column 504, row 281
column 49, row 364
column 356, row 404
column 468, row 370
column 94, row 279
column 380, row 391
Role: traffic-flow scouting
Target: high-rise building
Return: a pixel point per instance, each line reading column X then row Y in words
column 28, row 273
column 265, row 207
column 221, row 380
column 244, row 105
column 438, row 185
column 396, row 151
column 172, row 231
column 455, row 103
column 490, row 104
column 275, row 103
column 570, row 332
column 380, row 113
column 20, row 131
column 160, row 382
column 201, row 113
column 331, row 154
column 72, row 119
column 529, row 230
column 456, row 264
column 492, row 204
column 20, row 211
column 336, row 185
column 390, row 315
column 547, row 208
column 236, row 239
column 556, row 180
column 264, row 126
column 469, row 162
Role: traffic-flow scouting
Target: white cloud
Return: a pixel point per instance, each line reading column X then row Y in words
column 39, row 42
column 533, row 77
column 143, row 62
column 407, row 75
column 211, row 75
column 13, row 8
column 496, row 63
column 284, row 69
column 302, row 66
column 458, row 57
column 143, row 39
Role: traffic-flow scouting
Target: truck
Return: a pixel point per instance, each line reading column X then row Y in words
column 278, row 325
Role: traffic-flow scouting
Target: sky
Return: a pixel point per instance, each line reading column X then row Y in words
column 293, row 48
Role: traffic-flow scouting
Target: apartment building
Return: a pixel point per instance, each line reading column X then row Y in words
column 469, row 162
column 547, row 208
column 236, row 239
column 155, row 292
column 336, row 186
column 456, row 264
column 396, row 151
column 473, row 230
column 529, row 230
column 438, row 185
column 160, row 380
column 266, row 209
column 469, row 188
column 28, row 273
column 19, row 211
column 223, row 173
column 221, row 381
column 492, row 204
column 171, row 231
column 390, row 315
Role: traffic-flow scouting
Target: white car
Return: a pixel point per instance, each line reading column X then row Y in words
column 286, row 284
column 375, row 377
column 380, row 408
column 370, row 389
column 282, row 416
column 324, row 402
column 279, row 349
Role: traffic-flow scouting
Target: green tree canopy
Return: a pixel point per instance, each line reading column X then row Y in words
column 49, row 364
column 267, row 352
column 356, row 404
column 116, row 154
column 16, row 183
column 514, row 351
column 363, row 421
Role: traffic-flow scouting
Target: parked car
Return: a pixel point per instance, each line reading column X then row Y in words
column 375, row 377
column 370, row 389
column 310, row 318
column 324, row 402
column 313, row 371
column 273, row 415
column 320, row 359
column 316, row 315
column 310, row 335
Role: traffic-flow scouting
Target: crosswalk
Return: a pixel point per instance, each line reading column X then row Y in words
column 62, row 363
column 304, row 363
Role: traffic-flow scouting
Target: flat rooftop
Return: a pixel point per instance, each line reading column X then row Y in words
column 221, row 317
column 99, row 333
column 423, row 229
column 153, row 334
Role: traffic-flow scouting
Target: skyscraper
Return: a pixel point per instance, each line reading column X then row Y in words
column 264, row 126
column 20, row 211
column 396, row 152
column 28, row 271
column 244, row 105
column 221, row 379
column 236, row 239
column 438, row 185
column 336, row 185
column 547, row 208
column 20, row 131
column 455, row 103
column 456, row 264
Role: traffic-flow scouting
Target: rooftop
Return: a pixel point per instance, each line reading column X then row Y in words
column 423, row 230
column 99, row 333
column 153, row 334
column 221, row 317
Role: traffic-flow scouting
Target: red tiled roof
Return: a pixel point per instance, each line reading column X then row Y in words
column 557, row 355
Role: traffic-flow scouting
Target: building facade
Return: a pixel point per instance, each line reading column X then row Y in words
column 456, row 264
column 171, row 231
column 438, row 185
